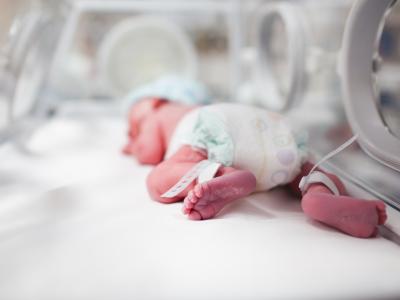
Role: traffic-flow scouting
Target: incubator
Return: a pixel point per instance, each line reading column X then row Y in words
column 75, row 218
column 29, row 34
column 367, row 67
column 54, row 51
column 369, row 71
column 119, row 45
column 283, row 55
column 338, row 61
column 294, row 57
column 296, row 45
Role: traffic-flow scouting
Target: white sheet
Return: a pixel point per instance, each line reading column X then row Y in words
column 76, row 223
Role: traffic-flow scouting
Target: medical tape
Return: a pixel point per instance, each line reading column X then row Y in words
column 307, row 180
column 209, row 172
column 203, row 169
column 318, row 177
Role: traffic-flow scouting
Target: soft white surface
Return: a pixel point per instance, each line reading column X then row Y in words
column 76, row 223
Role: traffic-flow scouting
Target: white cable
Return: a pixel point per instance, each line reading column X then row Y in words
column 304, row 183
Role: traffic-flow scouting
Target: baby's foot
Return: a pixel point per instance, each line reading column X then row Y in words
column 356, row 217
column 201, row 204
column 207, row 199
column 362, row 221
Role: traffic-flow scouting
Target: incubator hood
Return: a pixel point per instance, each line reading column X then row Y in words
column 296, row 45
column 369, row 70
column 30, row 32
column 110, row 47
column 334, row 68
column 370, row 75
column 80, row 52
column 361, row 62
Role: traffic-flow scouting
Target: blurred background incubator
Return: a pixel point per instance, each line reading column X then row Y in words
column 332, row 67
column 287, row 56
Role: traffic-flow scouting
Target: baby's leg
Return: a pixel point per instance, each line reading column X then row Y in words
column 353, row 216
column 206, row 199
column 166, row 174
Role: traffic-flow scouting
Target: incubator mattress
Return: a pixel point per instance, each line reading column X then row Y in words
column 76, row 223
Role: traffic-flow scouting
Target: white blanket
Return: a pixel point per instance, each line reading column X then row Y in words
column 76, row 223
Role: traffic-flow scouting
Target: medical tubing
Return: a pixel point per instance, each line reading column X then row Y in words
column 331, row 154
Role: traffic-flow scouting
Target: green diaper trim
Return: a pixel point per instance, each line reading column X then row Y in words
column 211, row 133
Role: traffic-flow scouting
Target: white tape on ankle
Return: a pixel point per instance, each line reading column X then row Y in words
column 204, row 170
column 318, row 177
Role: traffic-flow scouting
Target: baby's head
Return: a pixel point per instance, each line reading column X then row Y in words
column 144, row 113
column 140, row 112
column 149, row 97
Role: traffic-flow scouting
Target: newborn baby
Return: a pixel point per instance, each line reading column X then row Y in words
column 243, row 149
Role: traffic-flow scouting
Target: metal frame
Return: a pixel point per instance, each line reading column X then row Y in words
column 358, row 49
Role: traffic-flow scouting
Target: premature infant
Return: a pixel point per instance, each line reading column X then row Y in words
column 251, row 150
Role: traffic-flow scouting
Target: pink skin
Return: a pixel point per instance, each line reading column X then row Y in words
column 152, row 123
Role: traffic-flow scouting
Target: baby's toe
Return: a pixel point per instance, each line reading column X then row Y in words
column 188, row 206
column 185, row 209
column 381, row 208
column 195, row 216
column 192, row 198
column 189, row 199
column 199, row 190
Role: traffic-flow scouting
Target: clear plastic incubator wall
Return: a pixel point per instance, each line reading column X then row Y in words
column 289, row 56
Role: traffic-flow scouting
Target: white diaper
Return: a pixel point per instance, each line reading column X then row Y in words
column 246, row 138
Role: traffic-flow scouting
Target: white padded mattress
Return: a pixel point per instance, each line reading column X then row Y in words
column 76, row 223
